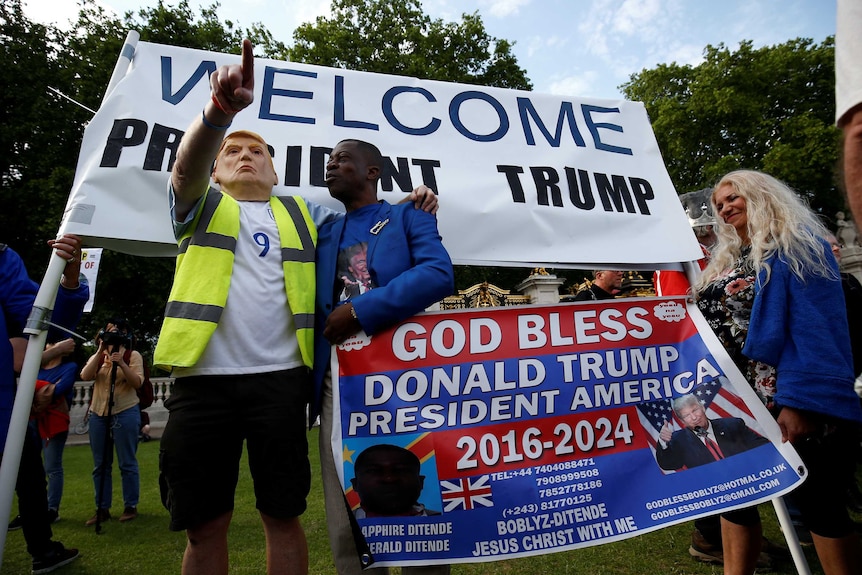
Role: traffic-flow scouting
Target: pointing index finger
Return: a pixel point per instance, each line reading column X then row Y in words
column 247, row 63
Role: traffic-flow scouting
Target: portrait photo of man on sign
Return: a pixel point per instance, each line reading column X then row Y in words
column 389, row 483
column 702, row 440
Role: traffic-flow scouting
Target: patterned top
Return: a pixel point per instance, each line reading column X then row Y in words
column 726, row 304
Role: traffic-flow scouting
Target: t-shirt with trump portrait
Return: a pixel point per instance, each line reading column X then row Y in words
column 352, row 274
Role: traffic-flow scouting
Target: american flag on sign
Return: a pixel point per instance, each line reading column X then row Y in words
column 716, row 396
column 466, row 494
column 653, row 414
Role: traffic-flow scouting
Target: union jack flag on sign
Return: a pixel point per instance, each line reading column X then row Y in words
column 466, row 494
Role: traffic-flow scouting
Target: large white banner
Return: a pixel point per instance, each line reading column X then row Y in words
column 523, row 178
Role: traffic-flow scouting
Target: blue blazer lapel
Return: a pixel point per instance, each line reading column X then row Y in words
column 385, row 214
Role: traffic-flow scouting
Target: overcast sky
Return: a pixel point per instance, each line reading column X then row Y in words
column 567, row 47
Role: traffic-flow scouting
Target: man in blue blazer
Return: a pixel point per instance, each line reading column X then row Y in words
column 377, row 266
column 703, row 440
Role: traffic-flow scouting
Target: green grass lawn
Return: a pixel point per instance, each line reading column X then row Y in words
column 146, row 546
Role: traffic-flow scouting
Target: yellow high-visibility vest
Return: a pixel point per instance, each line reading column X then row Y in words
column 203, row 273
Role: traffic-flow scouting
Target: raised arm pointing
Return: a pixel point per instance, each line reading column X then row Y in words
column 232, row 90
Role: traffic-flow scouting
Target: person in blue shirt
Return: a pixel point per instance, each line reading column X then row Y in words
column 60, row 373
column 379, row 265
column 17, row 295
column 772, row 294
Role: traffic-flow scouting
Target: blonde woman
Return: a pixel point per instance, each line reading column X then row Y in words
column 772, row 293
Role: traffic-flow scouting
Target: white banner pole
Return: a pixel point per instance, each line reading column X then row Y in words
column 786, row 523
column 38, row 331
column 122, row 65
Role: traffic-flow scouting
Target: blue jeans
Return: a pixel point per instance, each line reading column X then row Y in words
column 52, row 450
column 124, row 426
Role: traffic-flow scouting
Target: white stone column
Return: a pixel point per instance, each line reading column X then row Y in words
column 541, row 288
column 851, row 261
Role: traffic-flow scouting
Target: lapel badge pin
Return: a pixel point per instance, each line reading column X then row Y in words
column 375, row 229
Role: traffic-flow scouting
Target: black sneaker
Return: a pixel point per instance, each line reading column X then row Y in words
column 53, row 516
column 15, row 524
column 54, row 559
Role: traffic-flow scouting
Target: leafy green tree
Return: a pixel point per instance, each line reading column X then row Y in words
column 768, row 109
column 397, row 37
column 97, row 37
column 180, row 27
column 42, row 134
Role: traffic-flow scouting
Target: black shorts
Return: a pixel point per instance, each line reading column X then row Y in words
column 822, row 497
column 210, row 418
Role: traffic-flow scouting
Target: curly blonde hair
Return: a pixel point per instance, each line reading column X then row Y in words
column 779, row 223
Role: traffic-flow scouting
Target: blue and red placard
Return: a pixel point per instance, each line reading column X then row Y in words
column 536, row 427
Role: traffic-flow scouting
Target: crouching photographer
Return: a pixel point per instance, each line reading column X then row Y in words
column 115, row 417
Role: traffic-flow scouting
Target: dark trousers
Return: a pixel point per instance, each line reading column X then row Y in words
column 32, row 490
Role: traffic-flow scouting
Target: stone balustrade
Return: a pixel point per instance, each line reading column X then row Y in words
column 83, row 392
